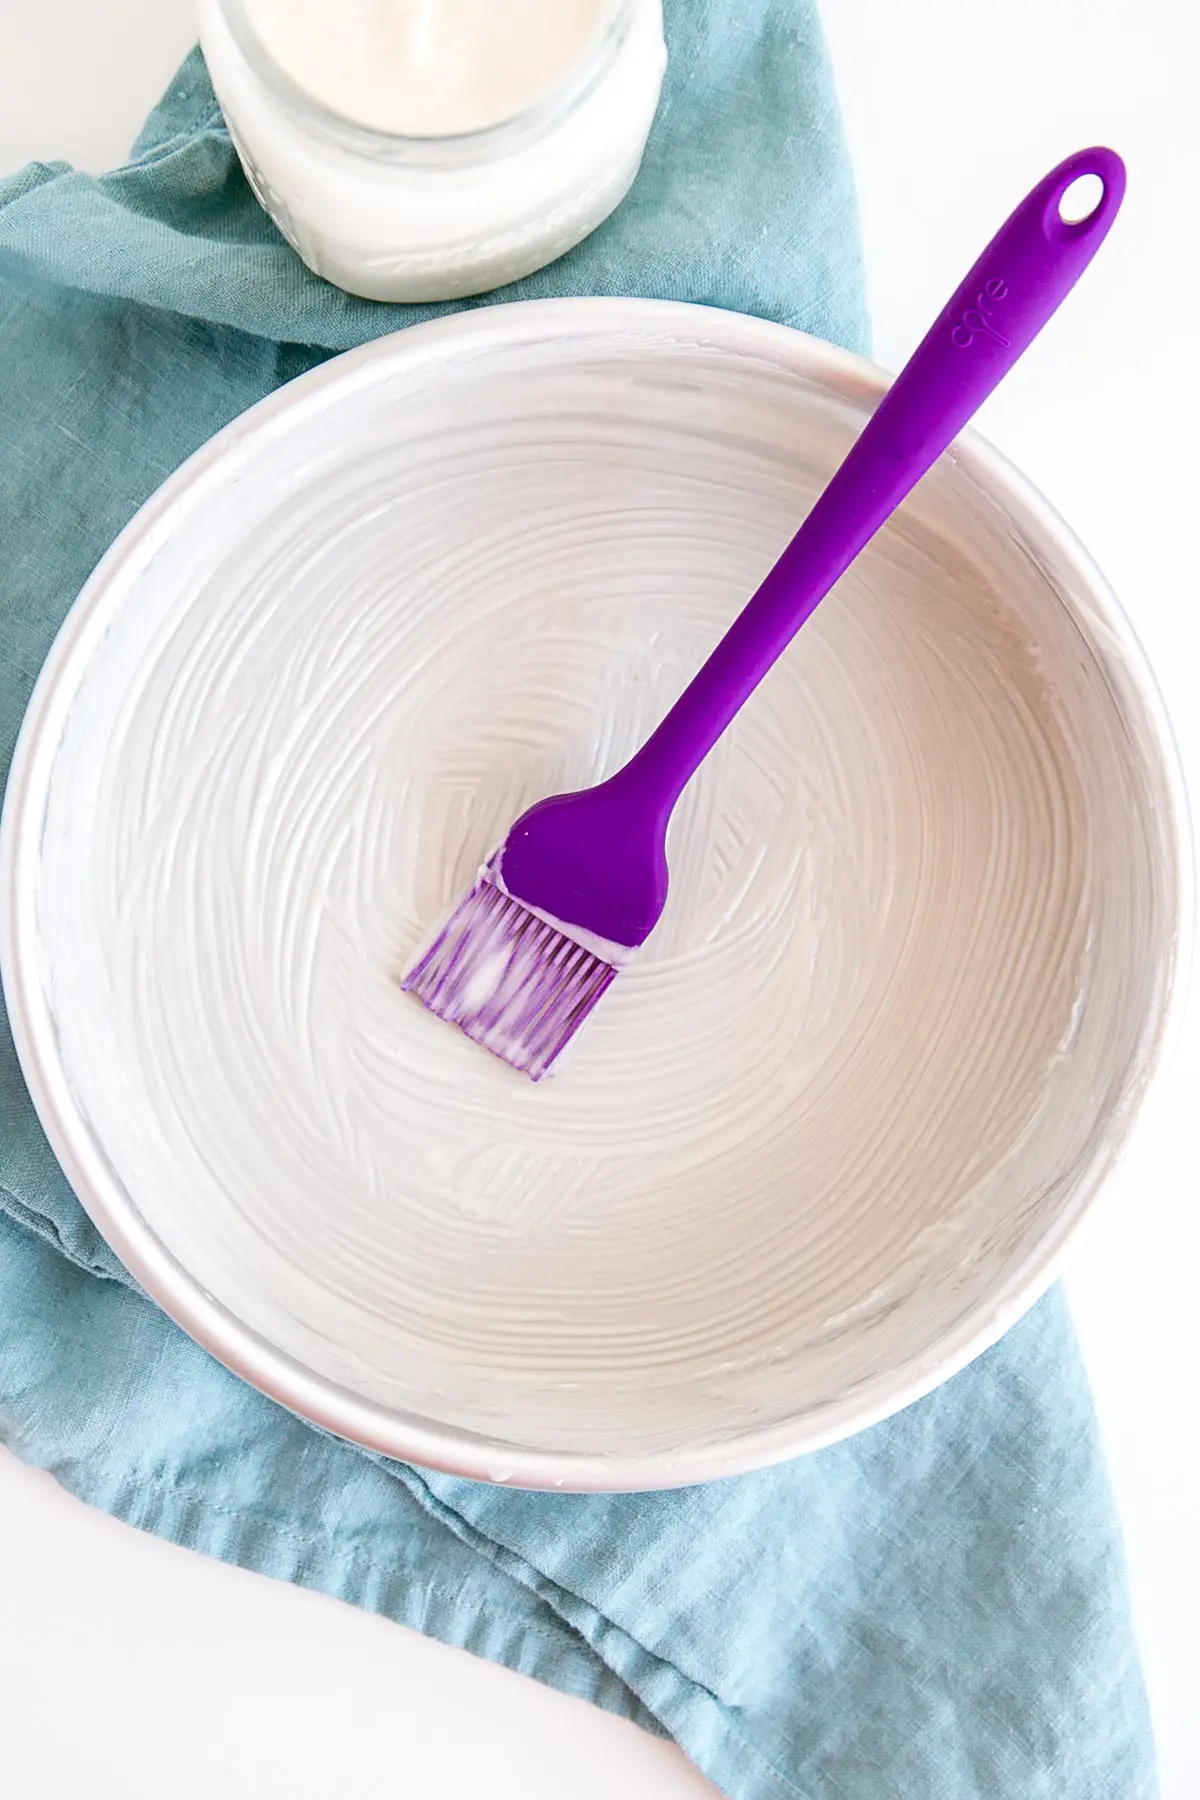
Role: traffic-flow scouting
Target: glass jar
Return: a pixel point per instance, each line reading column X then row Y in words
column 394, row 217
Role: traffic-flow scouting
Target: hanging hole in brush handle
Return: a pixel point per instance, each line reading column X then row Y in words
column 1077, row 204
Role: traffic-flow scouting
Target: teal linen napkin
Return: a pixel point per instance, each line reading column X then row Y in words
column 935, row 1610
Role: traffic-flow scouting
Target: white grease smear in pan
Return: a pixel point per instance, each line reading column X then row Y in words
column 901, row 984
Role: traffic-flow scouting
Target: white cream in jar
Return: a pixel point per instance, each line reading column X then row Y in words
column 417, row 150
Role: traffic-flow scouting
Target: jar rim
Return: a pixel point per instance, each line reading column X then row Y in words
column 445, row 150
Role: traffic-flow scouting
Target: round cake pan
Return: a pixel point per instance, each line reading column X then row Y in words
column 722, row 1355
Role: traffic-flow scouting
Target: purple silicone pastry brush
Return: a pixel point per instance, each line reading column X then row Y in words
column 581, row 879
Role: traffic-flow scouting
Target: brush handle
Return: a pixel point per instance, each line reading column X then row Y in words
column 1031, row 264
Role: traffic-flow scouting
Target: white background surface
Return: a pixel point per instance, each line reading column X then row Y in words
column 129, row 1667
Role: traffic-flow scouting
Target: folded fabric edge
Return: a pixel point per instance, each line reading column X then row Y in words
column 703, row 1726
column 103, row 1263
column 569, row 1646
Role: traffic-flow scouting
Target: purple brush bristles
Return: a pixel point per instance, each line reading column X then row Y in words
column 508, row 979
